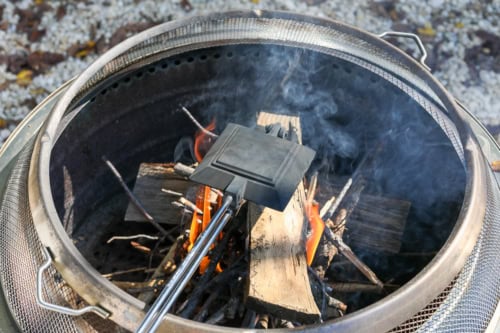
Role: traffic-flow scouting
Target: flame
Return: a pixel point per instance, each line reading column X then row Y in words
column 199, row 224
column 206, row 207
column 317, row 228
column 196, row 222
column 203, row 142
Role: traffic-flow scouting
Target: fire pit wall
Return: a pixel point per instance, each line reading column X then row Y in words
column 347, row 112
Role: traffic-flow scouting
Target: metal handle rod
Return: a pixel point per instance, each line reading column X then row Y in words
column 417, row 40
column 188, row 267
column 58, row 308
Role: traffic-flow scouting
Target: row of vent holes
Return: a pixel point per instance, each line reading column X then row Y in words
column 204, row 57
column 165, row 65
column 373, row 77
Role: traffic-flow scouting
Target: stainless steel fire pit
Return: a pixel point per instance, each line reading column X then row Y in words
column 350, row 87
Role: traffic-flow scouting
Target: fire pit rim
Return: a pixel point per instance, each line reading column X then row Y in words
column 463, row 235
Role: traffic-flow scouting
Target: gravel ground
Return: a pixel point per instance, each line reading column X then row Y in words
column 45, row 43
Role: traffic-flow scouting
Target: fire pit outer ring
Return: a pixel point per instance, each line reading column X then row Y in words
column 282, row 28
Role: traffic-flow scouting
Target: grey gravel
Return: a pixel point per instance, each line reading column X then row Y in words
column 473, row 77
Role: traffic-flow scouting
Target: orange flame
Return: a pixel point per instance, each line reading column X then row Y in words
column 317, row 228
column 199, row 224
column 203, row 142
column 196, row 222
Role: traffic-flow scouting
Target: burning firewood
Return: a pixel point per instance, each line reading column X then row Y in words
column 167, row 265
column 281, row 255
column 277, row 251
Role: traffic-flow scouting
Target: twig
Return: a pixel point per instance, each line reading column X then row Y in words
column 183, row 170
column 131, row 237
column 142, row 289
column 141, row 248
column 218, row 316
column 347, row 252
column 263, row 321
column 129, row 284
column 197, row 124
column 311, row 191
column 339, row 199
column 250, row 319
column 178, row 204
column 176, row 194
column 158, row 251
column 346, row 287
column 326, row 207
column 286, row 324
column 148, row 295
column 335, row 303
column 340, row 221
column 232, row 307
column 321, row 285
column 190, row 205
column 291, row 68
column 133, row 270
column 201, row 286
column 217, row 192
column 137, row 204
column 203, row 312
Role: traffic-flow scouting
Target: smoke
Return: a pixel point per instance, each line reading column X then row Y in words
column 346, row 114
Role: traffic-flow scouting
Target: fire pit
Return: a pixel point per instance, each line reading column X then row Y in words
column 366, row 188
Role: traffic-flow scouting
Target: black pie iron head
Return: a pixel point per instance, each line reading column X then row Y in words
column 252, row 165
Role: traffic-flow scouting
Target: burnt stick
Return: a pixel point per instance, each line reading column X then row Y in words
column 200, row 288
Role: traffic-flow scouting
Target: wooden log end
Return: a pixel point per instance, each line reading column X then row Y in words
column 302, row 315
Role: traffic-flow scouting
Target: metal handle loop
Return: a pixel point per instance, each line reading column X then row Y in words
column 417, row 40
column 58, row 308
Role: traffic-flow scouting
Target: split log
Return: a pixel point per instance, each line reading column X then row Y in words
column 377, row 224
column 151, row 178
column 278, row 279
column 373, row 222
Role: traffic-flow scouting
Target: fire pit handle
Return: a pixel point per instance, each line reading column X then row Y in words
column 58, row 308
column 417, row 40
